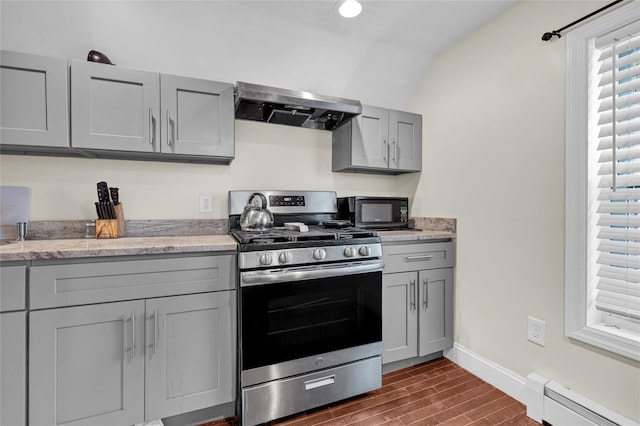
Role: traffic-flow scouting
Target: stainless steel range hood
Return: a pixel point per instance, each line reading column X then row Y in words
column 293, row 108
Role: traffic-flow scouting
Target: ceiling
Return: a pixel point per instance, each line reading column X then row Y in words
column 379, row 57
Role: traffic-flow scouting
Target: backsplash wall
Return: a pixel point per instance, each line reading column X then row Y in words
column 268, row 156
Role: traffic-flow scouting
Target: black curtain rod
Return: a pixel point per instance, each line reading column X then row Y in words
column 549, row 36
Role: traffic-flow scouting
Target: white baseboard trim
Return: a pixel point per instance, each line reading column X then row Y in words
column 492, row 373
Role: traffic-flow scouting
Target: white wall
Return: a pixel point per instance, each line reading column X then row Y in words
column 267, row 157
column 493, row 111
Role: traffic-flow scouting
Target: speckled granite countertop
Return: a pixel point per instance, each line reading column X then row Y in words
column 42, row 247
column 76, row 248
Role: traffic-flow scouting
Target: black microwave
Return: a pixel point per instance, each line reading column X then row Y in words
column 375, row 212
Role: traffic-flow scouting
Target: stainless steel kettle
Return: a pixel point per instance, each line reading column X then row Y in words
column 256, row 217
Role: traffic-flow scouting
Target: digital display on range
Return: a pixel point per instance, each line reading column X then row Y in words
column 286, row 200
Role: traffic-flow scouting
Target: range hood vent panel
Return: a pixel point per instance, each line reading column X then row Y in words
column 293, row 108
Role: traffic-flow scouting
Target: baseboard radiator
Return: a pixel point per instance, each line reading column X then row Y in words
column 551, row 403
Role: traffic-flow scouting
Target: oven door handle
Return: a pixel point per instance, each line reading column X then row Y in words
column 249, row 278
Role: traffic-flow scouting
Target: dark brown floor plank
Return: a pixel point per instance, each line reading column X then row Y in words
column 438, row 392
column 448, row 399
column 489, row 408
column 507, row 413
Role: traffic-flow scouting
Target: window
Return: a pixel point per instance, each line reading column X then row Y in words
column 602, row 207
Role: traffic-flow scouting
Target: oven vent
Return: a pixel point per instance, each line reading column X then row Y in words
column 552, row 403
column 290, row 118
column 293, row 108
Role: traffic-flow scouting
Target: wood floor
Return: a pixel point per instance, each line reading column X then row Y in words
column 438, row 392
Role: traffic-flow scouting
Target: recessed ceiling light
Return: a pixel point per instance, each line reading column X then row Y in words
column 350, row 8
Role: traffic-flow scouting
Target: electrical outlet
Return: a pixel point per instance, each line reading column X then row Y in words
column 536, row 331
column 206, row 203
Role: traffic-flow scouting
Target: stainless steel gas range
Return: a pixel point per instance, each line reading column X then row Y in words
column 310, row 306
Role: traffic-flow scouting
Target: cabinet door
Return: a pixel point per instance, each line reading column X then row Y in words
column 399, row 316
column 436, row 310
column 369, row 140
column 405, row 136
column 34, row 106
column 86, row 365
column 13, row 364
column 190, row 353
column 197, row 117
column 114, row 108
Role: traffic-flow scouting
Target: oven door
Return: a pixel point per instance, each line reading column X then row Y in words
column 286, row 321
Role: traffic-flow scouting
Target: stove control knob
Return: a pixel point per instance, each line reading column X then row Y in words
column 319, row 254
column 285, row 257
column 266, row 259
column 364, row 251
column 350, row 251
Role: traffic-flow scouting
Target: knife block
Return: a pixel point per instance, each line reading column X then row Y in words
column 112, row 228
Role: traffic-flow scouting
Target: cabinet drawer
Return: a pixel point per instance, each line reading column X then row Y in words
column 83, row 283
column 12, row 288
column 419, row 256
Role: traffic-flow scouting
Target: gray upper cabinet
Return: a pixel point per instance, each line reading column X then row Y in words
column 405, row 133
column 379, row 141
column 114, row 108
column 33, row 101
column 197, row 117
column 370, row 133
column 119, row 112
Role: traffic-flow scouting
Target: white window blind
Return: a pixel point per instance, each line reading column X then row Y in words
column 614, row 191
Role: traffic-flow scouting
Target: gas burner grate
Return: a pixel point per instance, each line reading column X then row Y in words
column 280, row 237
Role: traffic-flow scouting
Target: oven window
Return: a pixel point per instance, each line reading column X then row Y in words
column 374, row 212
column 285, row 321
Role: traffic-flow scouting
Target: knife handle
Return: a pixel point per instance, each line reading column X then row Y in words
column 98, row 211
column 114, row 195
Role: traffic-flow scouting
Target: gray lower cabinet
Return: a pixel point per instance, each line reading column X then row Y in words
column 399, row 317
column 379, row 141
column 130, row 361
column 86, row 365
column 34, row 103
column 417, row 304
column 13, row 346
column 128, row 113
column 189, row 353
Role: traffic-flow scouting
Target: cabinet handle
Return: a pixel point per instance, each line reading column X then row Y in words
column 425, row 294
column 152, row 127
column 155, row 331
column 419, row 257
column 133, row 335
column 169, row 134
column 412, row 294
column 388, row 152
column 395, row 151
